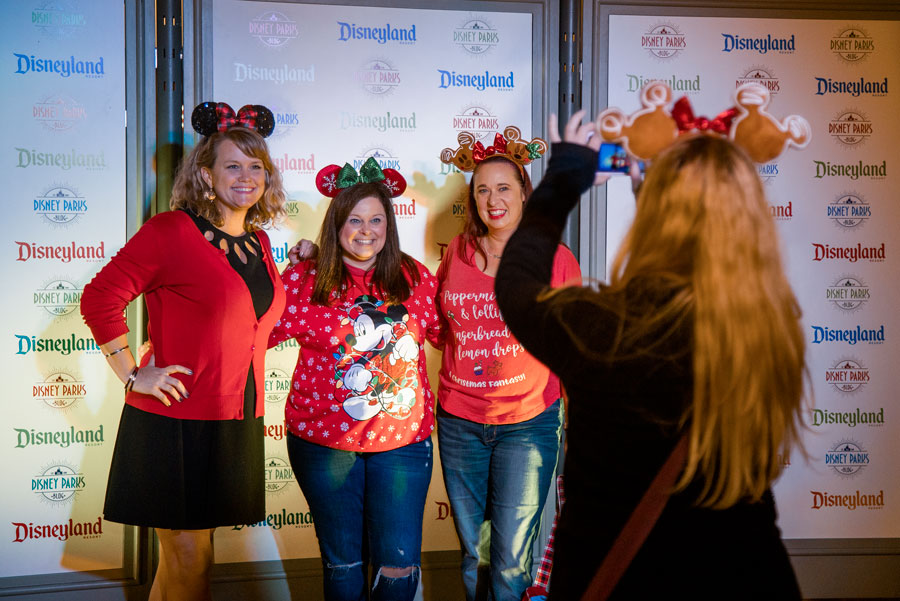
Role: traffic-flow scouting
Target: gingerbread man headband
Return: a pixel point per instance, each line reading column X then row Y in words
column 646, row 132
column 332, row 179
column 210, row 117
column 508, row 145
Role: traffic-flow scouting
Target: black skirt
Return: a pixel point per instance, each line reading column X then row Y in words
column 185, row 474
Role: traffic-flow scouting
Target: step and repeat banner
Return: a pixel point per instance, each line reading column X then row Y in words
column 835, row 204
column 347, row 83
column 62, row 68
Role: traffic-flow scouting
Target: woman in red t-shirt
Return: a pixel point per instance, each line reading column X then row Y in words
column 499, row 410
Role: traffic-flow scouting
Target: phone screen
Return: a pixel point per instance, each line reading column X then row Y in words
column 613, row 158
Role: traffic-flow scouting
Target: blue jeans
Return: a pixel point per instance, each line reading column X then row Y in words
column 367, row 508
column 499, row 473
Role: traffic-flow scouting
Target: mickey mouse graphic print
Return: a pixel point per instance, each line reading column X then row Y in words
column 360, row 383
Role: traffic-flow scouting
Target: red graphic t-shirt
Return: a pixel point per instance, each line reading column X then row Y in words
column 486, row 376
column 360, row 382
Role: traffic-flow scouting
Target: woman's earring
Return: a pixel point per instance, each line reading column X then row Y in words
column 210, row 195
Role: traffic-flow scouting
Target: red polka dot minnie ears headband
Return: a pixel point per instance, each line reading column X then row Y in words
column 332, row 179
column 210, row 117
column 508, row 144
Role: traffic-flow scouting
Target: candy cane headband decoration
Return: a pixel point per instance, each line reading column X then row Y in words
column 509, row 145
column 210, row 117
column 332, row 179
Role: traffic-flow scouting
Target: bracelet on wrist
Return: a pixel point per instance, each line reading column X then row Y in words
column 115, row 352
column 129, row 383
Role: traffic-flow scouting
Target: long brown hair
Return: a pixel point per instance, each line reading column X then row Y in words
column 703, row 248
column 189, row 188
column 395, row 273
column 474, row 228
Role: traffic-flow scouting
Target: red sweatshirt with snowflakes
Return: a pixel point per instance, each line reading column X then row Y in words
column 360, row 382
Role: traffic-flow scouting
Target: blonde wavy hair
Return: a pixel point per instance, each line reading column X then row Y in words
column 188, row 190
column 703, row 249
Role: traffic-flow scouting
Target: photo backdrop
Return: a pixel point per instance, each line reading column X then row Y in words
column 62, row 85
column 835, row 204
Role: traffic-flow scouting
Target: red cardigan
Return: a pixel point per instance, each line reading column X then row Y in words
column 201, row 315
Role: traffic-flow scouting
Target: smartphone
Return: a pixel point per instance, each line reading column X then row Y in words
column 614, row 159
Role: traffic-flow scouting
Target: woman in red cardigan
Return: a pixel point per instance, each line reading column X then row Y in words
column 189, row 454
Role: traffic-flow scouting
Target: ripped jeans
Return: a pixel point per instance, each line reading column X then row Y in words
column 353, row 494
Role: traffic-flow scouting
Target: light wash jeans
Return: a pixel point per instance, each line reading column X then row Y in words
column 354, row 494
column 499, row 473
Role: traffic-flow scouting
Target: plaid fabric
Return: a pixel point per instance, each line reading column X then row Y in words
column 543, row 572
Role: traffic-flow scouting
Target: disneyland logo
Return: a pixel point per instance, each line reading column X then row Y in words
column 762, row 76
column 478, row 81
column 847, row 458
column 57, row 19
column 677, row 84
column 276, row 521
column 59, row 390
column 378, row 77
column 290, row 343
column 280, row 255
column 849, row 335
column 66, row 253
column 852, row 170
column 848, row 294
column 821, row 417
column 59, row 438
column 782, row 212
column 60, row 205
column 380, row 122
column 58, row 483
column 58, row 112
column 850, row 502
column 381, row 35
column 476, row 36
column 273, row 29
column 279, row 475
column 822, row 252
column 62, row 532
column 734, row 42
column 28, row 63
column 663, row 41
column 60, row 160
column 275, row 431
column 404, row 208
column 849, row 210
column 279, row 75
column 852, row 45
column 58, row 298
column 384, row 157
column 850, row 128
column 288, row 163
column 63, row 346
column 826, row 85
column 847, row 376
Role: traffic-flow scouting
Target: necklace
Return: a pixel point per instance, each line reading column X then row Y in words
column 489, row 253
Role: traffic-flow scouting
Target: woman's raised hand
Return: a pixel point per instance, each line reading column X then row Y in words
column 576, row 132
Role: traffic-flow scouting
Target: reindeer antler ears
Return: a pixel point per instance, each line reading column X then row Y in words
column 508, row 144
column 210, row 117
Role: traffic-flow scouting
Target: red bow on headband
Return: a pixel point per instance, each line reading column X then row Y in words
column 684, row 118
column 479, row 152
column 226, row 118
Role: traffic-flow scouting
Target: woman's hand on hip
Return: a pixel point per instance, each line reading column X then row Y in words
column 159, row 382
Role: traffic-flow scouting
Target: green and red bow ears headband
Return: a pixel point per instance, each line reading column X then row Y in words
column 210, row 117
column 332, row 179
column 508, row 145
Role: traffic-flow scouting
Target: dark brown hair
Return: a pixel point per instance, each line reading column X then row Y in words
column 475, row 228
column 189, row 188
column 395, row 272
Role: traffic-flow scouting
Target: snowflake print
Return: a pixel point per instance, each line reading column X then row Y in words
column 329, row 183
column 398, row 436
column 297, row 384
column 350, row 439
column 305, row 309
column 333, row 341
column 330, row 396
column 301, row 426
column 326, row 315
column 414, row 425
column 393, row 186
column 302, row 377
column 326, row 329
column 391, row 428
column 318, row 368
column 309, row 362
column 326, row 434
column 382, row 439
column 370, row 435
column 315, row 395
column 335, row 409
column 309, row 433
column 292, row 309
column 344, row 426
column 288, row 324
column 302, row 322
column 295, row 276
column 319, row 424
column 417, row 302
